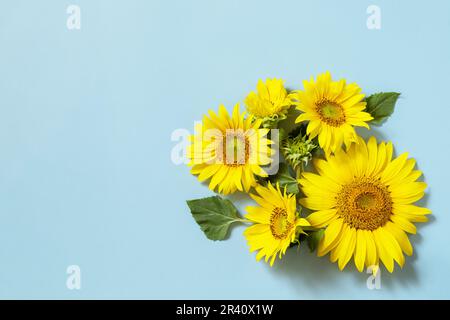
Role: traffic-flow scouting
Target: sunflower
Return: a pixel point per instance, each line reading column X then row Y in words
column 332, row 108
column 276, row 222
column 229, row 150
column 271, row 101
column 364, row 200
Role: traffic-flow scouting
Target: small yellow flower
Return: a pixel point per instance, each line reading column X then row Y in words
column 270, row 102
column 333, row 109
column 365, row 199
column 229, row 150
column 276, row 222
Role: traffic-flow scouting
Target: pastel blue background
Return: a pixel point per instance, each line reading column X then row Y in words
column 86, row 118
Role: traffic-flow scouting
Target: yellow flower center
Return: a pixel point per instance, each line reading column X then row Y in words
column 279, row 223
column 236, row 149
column 331, row 112
column 364, row 204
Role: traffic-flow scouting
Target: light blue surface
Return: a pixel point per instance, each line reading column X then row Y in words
column 86, row 117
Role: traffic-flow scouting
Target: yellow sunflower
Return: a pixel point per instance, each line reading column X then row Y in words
column 364, row 199
column 276, row 222
column 229, row 150
column 332, row 108
column 271, row 101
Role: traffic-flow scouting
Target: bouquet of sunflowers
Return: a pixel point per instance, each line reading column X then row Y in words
column 312, row 177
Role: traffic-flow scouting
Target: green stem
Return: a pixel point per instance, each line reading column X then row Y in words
column 298, row 171
column 242, row 220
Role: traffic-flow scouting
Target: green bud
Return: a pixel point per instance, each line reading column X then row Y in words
column 298, row 152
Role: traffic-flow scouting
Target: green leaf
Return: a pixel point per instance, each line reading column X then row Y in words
column 214, row 215
column 381, row 106
column 313, row 239
column 285, row 179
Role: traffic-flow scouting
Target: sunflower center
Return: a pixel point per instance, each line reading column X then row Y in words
column 366, row 201
column 331, row 112
column 365, row 204
column 279, row 223
column 236, row 149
